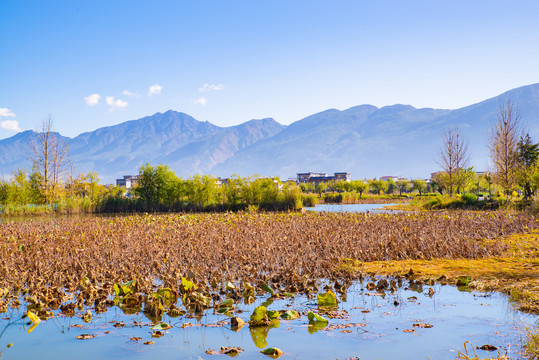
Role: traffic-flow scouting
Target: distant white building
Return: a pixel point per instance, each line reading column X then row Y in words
column 312, row 177
column 128, row 181
column 387, row 178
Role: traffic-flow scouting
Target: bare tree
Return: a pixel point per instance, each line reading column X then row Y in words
column 49, row 155
column 504, row 145
column 453, row 157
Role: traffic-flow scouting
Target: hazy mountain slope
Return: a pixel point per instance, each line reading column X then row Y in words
column 477, row 121
column 370, row 142
column 202, row 155
column 173, row 138
column 123, row 148
column 364, row 140
column 360, row 139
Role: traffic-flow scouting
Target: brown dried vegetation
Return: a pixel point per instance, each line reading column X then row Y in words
column 67, row 264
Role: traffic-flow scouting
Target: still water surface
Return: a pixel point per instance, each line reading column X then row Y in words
column 455, row 317
column 375, row 208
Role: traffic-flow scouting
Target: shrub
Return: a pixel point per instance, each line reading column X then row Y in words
column 469, row 198
column 309, row 200
column 434, row 203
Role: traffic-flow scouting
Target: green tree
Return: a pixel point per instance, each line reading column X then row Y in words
column 527, row 156
column 437, row 183
column 419, row 185
column 390, row 186
column 270, row 191
column 378, row 186
column 233, row 190
column 464, row 178
column 359, row 186
column 340, row 186
column 403, row 186
column 202, row 191
column 156, row 185
column 487, row 178
column 20, row 190
column 321, row 188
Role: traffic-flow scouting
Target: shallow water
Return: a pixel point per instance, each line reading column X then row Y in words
column 375, row 208
column 455, row 317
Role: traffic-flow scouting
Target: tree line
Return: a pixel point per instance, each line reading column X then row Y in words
column 52, row 183
column 513, row 154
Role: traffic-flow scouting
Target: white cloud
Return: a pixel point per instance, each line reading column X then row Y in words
column 5, row 112
column 92, row 99
column 211, row 87
column 12, row 125
column 155, row 89
column 130, row 94
column 201, row 101
column 116, row 104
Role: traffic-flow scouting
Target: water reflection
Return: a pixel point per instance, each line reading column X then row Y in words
column 412, row 322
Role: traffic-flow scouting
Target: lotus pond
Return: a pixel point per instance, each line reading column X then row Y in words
column 211, row 285
column 413, row 322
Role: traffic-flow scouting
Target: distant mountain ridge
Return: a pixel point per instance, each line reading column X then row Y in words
column 364, row 140
column 185, row 144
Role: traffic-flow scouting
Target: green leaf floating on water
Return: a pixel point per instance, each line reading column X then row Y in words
column 272, row 352
column 188, row 285
column 125, row 289
column 131, row 301
column 249, row 290
column 228, row 303
column 201, row 298
column 290, row 315
column 273, row 314
column 327, row 299
column 33, row 317
column 313, row 317
column 161, row 326
column 166, row 293
column 258, row 315
column 229, row 286
column 267, row 288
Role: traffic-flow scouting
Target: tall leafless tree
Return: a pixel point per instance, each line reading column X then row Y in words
column 49, row 154
column 504, row 145
column 453, row 156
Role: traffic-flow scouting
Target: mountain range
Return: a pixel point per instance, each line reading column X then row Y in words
column 364, row 140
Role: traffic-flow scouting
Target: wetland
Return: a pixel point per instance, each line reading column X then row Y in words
column 315, row 285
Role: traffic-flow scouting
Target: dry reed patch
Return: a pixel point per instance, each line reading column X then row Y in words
column 76, row 261
column 515, row 271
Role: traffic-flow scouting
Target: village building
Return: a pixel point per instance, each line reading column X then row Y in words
column 128, row 181
column 316, row 178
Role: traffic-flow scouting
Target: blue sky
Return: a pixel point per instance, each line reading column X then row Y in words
column 98, row 63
